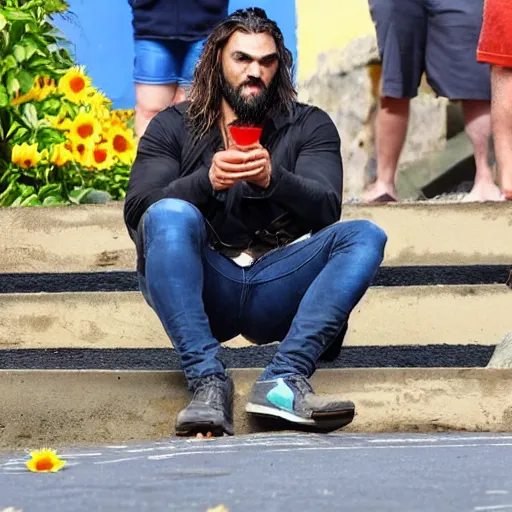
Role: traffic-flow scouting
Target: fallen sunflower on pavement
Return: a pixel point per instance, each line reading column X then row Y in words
column 44, row 461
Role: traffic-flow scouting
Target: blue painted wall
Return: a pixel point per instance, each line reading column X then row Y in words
column 101, row 39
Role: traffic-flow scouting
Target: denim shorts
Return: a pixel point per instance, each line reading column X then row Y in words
column 161, row 62
column 438, row 37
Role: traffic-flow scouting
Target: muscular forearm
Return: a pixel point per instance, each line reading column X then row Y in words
column 501, row 113
column 316, row 202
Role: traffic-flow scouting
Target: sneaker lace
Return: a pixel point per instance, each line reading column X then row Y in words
column 301, row 383
column 210, row 389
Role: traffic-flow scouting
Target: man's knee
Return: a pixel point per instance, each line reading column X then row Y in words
column 175, row 215
column 363, row 232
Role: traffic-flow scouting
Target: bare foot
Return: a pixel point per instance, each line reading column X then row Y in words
column 483, row 192
column 377, row 190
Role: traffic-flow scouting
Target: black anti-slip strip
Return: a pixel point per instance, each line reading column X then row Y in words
column 431, row 356
column 126, row 281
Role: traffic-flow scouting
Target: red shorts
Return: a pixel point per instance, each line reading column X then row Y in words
column 495, row 45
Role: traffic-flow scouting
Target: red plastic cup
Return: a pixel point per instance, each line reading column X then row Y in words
column 245, row 135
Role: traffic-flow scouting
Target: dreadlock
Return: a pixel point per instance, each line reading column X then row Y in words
column 205, row 94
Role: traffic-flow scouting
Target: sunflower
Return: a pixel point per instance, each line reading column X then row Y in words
column 75, row 85
column 85, row 128
column 98, row 99
column 61, row 155
column 26, row 155
column 122, row 145
column 98, row 157
column 44, row 461
column 123, row 115
column 42, row 88
column 79, row 150
column 59, row 122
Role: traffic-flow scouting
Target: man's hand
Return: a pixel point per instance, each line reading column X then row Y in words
column 251, row 164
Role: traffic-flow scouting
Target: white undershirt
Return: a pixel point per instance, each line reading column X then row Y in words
column 246, row 260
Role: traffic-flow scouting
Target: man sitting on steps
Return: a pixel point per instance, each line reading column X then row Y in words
column 246, row 239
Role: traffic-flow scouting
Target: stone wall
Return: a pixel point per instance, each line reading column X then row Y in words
column 346, row 85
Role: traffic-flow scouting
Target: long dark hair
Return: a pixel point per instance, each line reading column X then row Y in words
column 205, row 93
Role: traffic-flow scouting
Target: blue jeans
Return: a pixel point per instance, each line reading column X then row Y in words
column 301, row 294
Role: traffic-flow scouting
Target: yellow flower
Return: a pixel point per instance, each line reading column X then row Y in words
column 61, row 155
column 85, row 128
column 44, row 461
column 75, row 85
column 98, row 157
column 26, row 155
column 61, row 123
column 122, row 145
column 79, row 149
column 123, row 115
column 43, row 87
column 98, row 99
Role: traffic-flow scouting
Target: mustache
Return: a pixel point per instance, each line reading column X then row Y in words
column 254, row 81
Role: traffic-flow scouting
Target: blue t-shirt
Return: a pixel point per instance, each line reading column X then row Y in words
column 188, row 20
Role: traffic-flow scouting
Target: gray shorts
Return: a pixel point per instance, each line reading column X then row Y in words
column 438, row 37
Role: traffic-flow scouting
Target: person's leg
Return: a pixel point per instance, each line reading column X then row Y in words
column 501, row 112
column 452, row 71
column 191, row 57
column 149, row 100
column 477, row 117
column 197, row 301
column 156, row 79
column 303, row 295
column 390, row 131
column 401, row 35
column 195, row 297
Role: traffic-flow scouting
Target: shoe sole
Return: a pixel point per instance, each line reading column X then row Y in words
column 204, row 427
column 339, row 418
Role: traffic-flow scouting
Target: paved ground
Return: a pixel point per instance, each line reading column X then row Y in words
column 274, row 473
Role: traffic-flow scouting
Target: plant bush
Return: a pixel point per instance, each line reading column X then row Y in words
column 59, row 137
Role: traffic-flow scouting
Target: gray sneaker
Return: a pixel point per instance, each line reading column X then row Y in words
column 211, row 408
column 292, row 398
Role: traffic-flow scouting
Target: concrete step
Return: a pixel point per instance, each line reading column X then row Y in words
column 75, row 407
column 394, row 316
column 87, row 238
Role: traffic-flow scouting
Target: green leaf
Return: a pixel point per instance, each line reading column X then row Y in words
column 39, row 62
column 19, row 53
column 49, row 190
column 31, row 48
column 17, row 16
column 54, row 200
column 4, row 99
column 26, row 190
column 3, row 21
column 32, row 200
column 51, row 106
column 9, row 194
column 26, row 80
column 50, row 136
column 16, row 202
column 9, row 63
column 14, row 126
column 17, row 30
column 13, row 86
column 30, row 115
column 79, row 194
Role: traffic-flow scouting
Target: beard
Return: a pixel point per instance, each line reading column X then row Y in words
column 250, row 110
